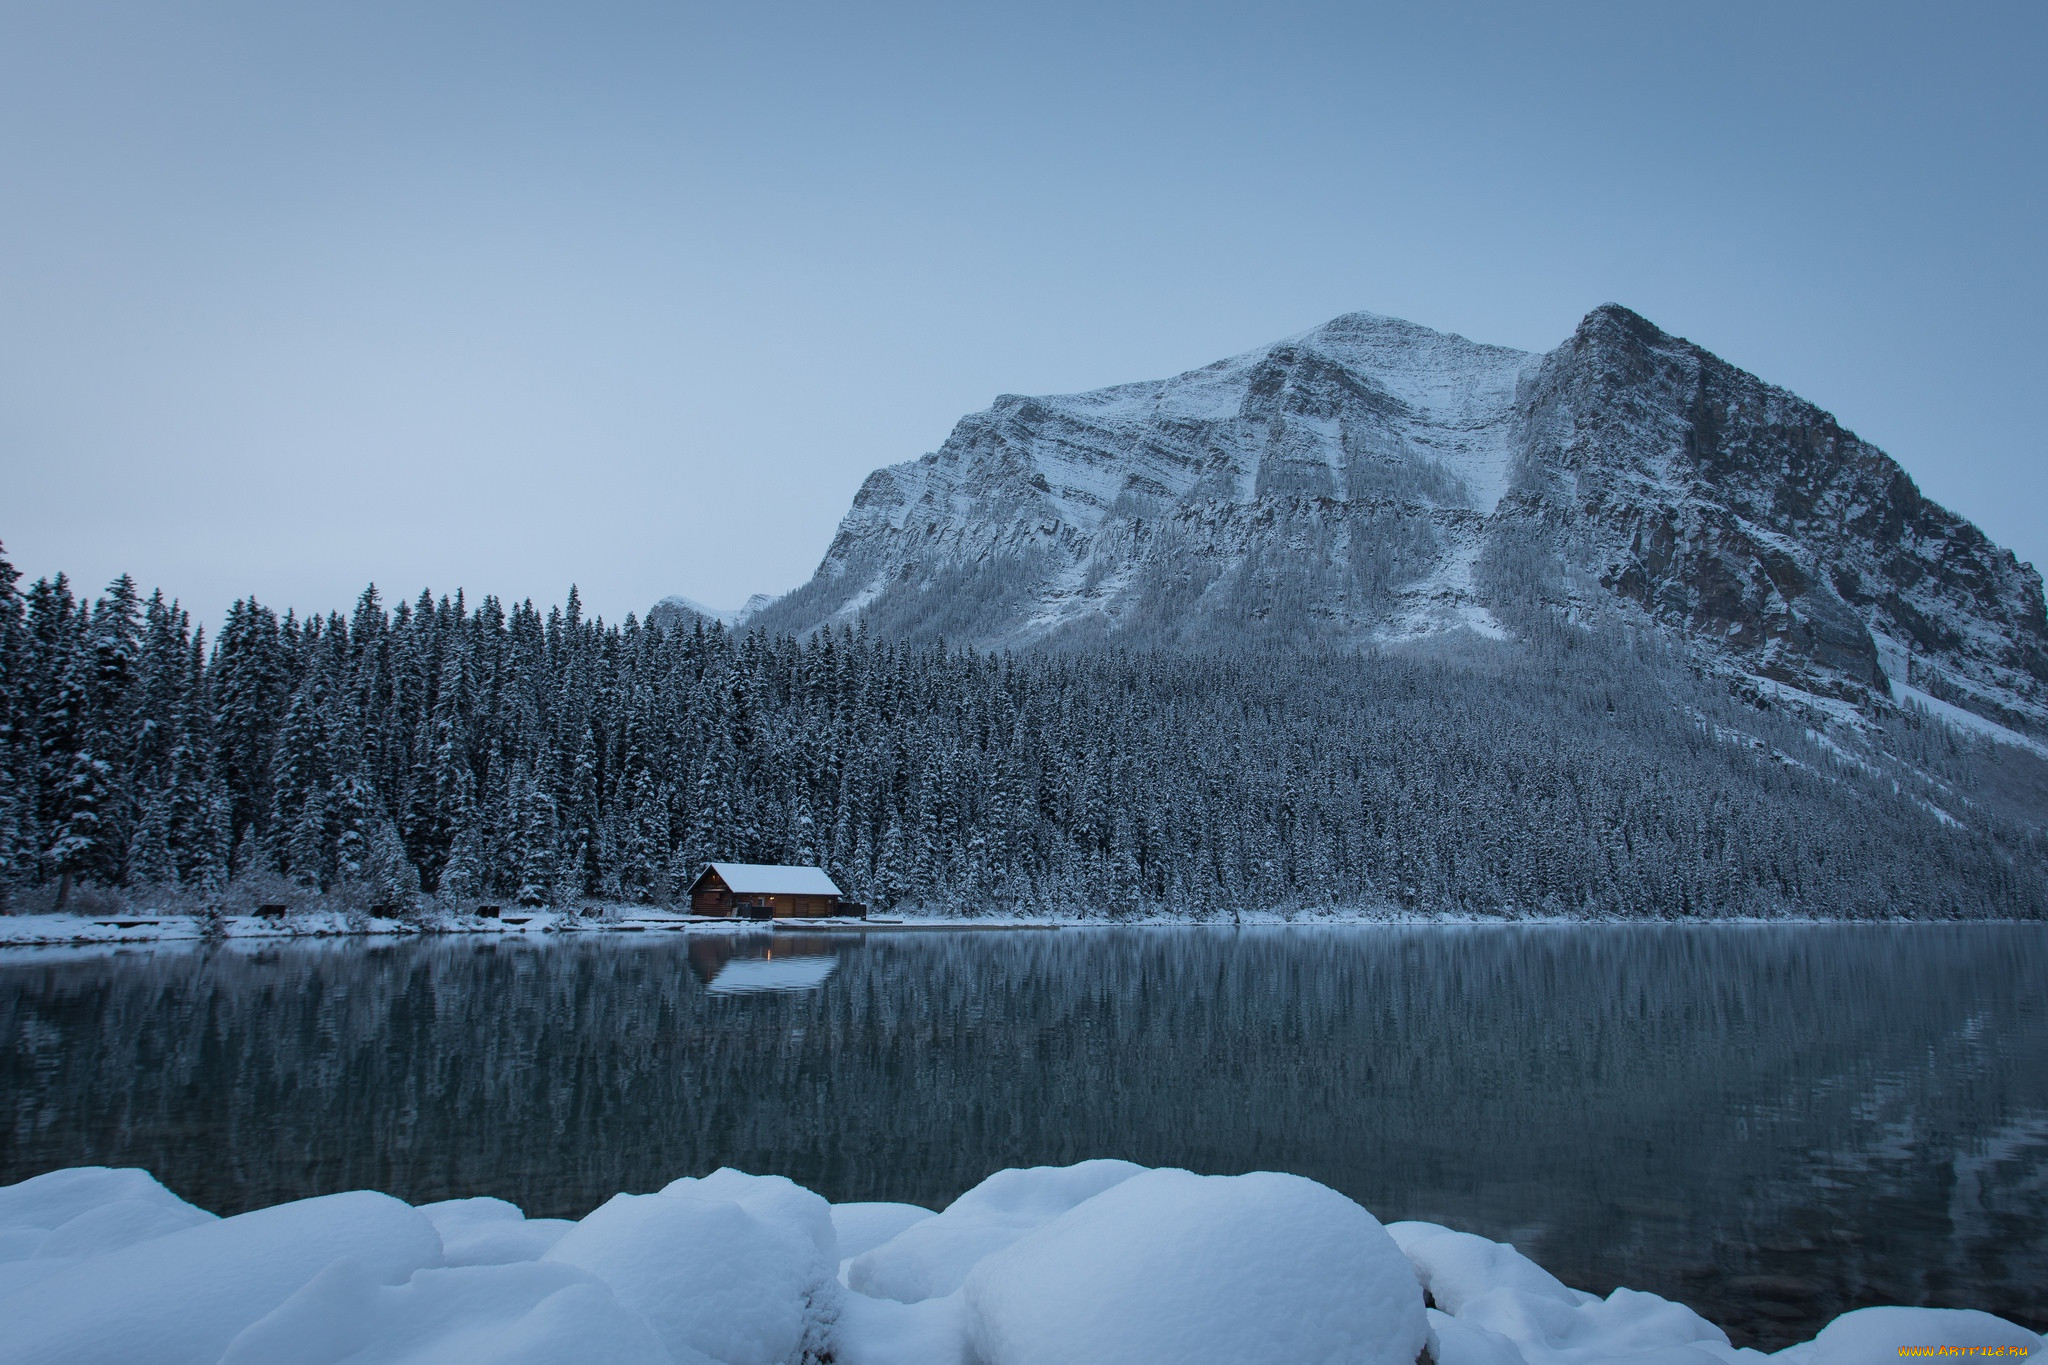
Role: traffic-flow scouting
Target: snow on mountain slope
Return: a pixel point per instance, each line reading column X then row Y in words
column 1328, row 485
column 1372, row 480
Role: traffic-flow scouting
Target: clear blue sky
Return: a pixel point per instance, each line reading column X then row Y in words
column 506, row 296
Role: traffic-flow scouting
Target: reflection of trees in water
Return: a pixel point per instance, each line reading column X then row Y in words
column 1771, row 1123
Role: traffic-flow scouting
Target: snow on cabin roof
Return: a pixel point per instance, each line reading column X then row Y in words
column 769, row 879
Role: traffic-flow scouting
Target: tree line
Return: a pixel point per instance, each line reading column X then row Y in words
column 435, row 753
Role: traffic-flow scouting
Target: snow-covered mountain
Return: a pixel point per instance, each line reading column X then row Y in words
column 674, row 611
column 1374, row 481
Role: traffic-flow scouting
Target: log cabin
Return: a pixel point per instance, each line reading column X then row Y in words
column 762, row 891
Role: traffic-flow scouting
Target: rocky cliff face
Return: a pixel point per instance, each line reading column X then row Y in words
column 1753, row 522
column 1374, row 481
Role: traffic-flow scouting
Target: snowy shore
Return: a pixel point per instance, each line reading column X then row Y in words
column 1099, row 1262
column 39, row 930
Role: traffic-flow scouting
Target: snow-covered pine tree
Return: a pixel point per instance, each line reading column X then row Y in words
column 540, row 860
column 17, row 844
column 582, row 816
column 802, row 836
column 891, row 883
column 644, row 844
column 52, row 706
column 151, row 859
column 116, row 728
column 301, row 768
column 462, row 875
column 80, row 846
column 250, row 683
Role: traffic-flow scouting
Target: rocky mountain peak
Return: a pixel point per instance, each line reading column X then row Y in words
column 1372, row 481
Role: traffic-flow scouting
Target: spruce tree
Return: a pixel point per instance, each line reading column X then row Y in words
column 80, row 846
column 53, row 701
column 152, row 861
column 539, row 865
column 301, row 768
column 582, row 816
column 17, row 841
column 250, row 685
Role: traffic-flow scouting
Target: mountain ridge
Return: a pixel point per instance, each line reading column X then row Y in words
column 1371, row 481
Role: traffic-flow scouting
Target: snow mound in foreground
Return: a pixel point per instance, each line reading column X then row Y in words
column 1099, row 1262
column 932, row 1258
column 184, row 1296
column 524, row 1311
column 487, row 1231
column 1184, row 1269
column 1495, row 1306
column 863, row 1227
column 715, row 1281
column 1888, row 1333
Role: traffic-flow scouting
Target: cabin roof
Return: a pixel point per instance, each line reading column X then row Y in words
column 769, row 879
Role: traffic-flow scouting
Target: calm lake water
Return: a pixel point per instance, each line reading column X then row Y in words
column 1772, row 1124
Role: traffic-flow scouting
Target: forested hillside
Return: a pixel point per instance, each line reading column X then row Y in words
column 439, row 751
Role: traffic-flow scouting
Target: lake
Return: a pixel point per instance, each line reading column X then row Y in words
column 1770, row 1123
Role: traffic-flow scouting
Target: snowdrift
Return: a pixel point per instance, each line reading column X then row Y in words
column 1102, row 1261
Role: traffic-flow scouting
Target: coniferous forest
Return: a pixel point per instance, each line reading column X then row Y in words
column 436, row 754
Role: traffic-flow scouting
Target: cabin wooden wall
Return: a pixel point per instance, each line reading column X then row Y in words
column 711, row 897
column 800, row 907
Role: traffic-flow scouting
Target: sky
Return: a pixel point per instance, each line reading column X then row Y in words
column 295, row 298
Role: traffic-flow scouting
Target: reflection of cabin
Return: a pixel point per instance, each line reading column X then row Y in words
column 763, row 891
column 738, row 964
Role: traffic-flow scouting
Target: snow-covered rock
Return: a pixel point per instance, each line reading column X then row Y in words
column 491, row 1232
column 775, row 1199
column 34, row 1212
column 1888, row 1333
column 932, row 1257
column 59, row 1218
column 1456, row 1268
column 184, row 1296
column 1626, row 1324
column 528, row 1313
column 714, row 1281
column 885, row 1332
column 1491, row 1294
column 1182, row 1269
column 1462, row 1343
column 863, row 1227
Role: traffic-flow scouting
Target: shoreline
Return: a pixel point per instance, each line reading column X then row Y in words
column 75, row 930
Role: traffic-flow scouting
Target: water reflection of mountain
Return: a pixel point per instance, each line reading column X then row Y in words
column 761, row 963
column 1770, row 1123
